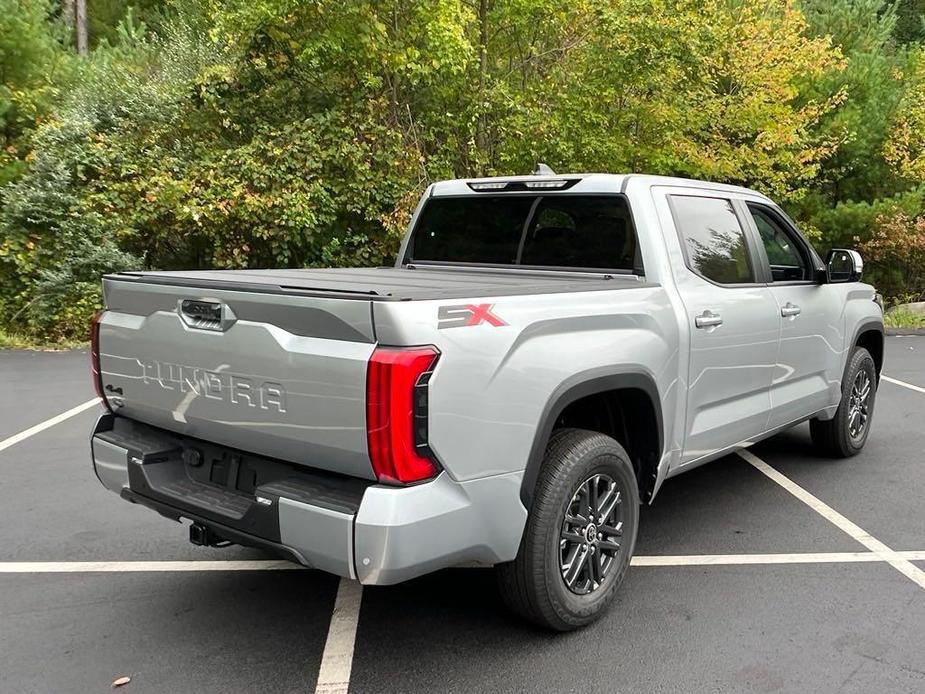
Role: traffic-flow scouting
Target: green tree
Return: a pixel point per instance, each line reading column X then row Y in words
column 30, row 54
column 904, row 149
column 105, row 16
column 872, row 82
column 910, row 21
column 705, row 89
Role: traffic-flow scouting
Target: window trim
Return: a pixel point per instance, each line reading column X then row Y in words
column 747, row 233
column 639, row 271
column 792, row 232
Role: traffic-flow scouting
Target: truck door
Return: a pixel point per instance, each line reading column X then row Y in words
column 733, row 321
column 807, row 376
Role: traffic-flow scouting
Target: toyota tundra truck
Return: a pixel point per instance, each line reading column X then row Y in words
column 545, row 353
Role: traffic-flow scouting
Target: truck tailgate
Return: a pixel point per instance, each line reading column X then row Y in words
column 277, row 375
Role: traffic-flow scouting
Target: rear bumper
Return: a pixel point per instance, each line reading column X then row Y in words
column 375, row 533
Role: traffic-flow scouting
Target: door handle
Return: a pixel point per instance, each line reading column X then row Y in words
column 789, row 310
column 708, row 319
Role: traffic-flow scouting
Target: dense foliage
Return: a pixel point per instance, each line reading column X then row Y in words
column 244, row 133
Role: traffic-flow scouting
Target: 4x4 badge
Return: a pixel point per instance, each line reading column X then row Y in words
column 467, row 315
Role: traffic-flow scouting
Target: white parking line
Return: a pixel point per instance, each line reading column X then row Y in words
column 894, row 559
column 897, row 382
column 57, row 567
column 57, row 419
column 337, row 659
column 66, row 567
column 741, row 559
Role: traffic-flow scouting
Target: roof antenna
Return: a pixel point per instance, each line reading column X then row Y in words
column 543, row 170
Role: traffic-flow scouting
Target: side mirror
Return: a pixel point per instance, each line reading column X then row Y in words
column 843, row 265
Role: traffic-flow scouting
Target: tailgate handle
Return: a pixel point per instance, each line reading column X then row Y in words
column 206, row 314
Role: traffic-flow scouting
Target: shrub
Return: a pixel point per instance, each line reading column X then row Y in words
column 896, row 253
column 185, row 150
column 33, row 63
column 902, row 317
column 61, row 226
column 850, row 223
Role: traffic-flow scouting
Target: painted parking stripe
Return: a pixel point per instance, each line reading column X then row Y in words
column 337, row 659
column 894, row 559
column 742, row 559
column 55, row 567
column 897, row 382
column 52, row 567
column 42, row 426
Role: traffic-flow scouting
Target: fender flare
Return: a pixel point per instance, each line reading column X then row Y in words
column 573, row 389
column 866, row 326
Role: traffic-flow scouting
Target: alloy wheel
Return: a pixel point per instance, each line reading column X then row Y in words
column 591, row 534
column 859, row 404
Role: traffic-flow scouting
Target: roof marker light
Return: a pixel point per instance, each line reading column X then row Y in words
column 558, row 183
column 489, row 185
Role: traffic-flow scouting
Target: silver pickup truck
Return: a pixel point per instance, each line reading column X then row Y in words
column 546, row 352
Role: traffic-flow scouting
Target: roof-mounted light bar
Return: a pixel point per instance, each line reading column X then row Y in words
column 489, row 185
column 558, row 183
column 511, row 186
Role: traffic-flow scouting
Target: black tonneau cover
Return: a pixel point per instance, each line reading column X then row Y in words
column 388, row 283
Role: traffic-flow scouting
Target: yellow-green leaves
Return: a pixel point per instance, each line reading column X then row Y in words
column 706, row 88
column 905, row 147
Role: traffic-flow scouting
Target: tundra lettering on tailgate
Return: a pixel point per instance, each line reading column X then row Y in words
column 466, row 315
column 215, row 385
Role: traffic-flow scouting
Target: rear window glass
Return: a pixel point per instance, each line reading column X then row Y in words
column 713, row 239
column 571, row 231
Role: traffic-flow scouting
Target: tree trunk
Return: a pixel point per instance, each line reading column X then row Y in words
column 82, row 46
column 67, row 13
column 481, row 136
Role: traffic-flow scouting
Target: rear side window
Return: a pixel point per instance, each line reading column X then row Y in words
column 562, row 231
column 713, row 239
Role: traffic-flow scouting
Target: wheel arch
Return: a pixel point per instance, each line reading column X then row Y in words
column 869, row 335
column 635, row 395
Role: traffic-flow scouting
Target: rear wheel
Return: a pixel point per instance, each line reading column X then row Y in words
column 580, row 534
column 846, row 433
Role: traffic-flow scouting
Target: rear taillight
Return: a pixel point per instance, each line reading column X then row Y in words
column 396, row 413
column 95, row 371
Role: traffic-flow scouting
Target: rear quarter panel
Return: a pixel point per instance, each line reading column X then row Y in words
column 492, row 382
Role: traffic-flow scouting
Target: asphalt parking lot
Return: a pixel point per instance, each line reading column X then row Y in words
column 774, row 572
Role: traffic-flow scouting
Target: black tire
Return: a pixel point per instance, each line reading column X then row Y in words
column 533, row 584
column 838, row 437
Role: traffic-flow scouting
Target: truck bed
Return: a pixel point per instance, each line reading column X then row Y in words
column 386, row 283
column 274, row 362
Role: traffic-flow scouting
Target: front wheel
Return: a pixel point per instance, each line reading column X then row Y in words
column 846, row 433
column 580, row 534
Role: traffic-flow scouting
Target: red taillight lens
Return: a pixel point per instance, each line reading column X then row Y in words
column 95, row 372
column 396, row 413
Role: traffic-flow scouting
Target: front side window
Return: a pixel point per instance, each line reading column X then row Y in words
column 560, row 231
column 787, row 259
column 714, row 241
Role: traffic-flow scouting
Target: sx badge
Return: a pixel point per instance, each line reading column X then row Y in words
column 467, row 315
